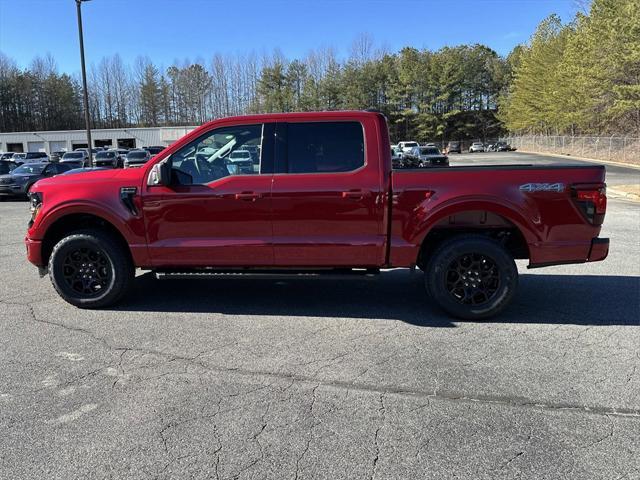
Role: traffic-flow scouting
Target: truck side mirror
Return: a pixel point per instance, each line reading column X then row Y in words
column 161, row 173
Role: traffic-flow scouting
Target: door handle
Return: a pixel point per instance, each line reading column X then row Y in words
column 247, row 196
column 355, row 194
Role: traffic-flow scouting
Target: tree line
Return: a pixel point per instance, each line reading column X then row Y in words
column 450, row 93
column 575, row 78
column 579, row 78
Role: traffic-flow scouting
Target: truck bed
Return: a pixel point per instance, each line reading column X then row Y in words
column 536, row 200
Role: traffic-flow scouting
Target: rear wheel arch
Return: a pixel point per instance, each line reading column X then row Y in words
column 73, row 222
column 482, row 222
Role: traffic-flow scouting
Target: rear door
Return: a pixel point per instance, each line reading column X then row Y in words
column 326, row 196
column 214, row 214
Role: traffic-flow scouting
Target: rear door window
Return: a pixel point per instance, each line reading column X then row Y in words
column 324, row 147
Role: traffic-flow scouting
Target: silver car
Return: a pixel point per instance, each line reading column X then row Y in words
column 476, row 147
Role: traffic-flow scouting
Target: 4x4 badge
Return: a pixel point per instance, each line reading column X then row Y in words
column 542, row 187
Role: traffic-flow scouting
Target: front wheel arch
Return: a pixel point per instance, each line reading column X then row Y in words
column 74, row 222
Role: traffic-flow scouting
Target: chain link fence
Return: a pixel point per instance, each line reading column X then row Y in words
column 615, row 148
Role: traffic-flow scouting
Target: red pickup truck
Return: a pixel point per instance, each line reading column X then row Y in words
column 312, row 192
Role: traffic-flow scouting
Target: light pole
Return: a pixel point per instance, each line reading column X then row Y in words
column 84, row 80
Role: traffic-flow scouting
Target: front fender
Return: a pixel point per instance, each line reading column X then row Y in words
column 87, row 207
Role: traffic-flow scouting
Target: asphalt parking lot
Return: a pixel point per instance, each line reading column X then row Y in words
column 324, row 379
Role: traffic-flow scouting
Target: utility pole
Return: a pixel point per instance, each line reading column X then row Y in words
column 84, row 81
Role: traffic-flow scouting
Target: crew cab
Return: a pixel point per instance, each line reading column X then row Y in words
column 323, row 199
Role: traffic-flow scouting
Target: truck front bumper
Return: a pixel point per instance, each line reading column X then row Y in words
column 34, row 251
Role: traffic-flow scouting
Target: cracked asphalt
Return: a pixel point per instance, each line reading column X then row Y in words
column 322, row 379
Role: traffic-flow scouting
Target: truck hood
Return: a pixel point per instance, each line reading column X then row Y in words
column 96, row 176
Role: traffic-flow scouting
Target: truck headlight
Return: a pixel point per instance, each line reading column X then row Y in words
column 35, row 200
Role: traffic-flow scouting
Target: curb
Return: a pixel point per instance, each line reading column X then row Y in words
column 634, row 197
column 584, row 159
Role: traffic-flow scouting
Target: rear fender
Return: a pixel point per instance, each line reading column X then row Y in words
column 406, row 250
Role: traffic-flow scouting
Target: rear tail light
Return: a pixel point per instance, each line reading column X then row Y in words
column 592, row 201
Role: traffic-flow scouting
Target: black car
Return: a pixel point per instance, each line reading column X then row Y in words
column 136, row 158
column 503, row 147
column 19, row 180
column 109, row 158
column 7, row 166
column 154, row 150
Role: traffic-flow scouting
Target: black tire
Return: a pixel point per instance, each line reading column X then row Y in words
column 90, row 269
column 455, row 274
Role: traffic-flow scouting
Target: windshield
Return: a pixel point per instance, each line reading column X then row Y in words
column 100, row 155
column 19, row 155
column 72, row 155
column 429, row 151
column 139, row 155
column 410, row 144
column 29, row 169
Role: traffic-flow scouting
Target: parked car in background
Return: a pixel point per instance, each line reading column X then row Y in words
column 242, row 160
column 122, row 155
column 406, row 147
column 19, row 158
column 429, row 157
column 56, row 156
column 254, row 151
column 454, row 147
column 36, row 157
column 502, row 147
column 108, row 158
column 476, row 147
column 6, row 166
column 76, row 157
column 154, row 150
column 396, row 158
column 136, row 158
column 18, row 182
column 93, row 151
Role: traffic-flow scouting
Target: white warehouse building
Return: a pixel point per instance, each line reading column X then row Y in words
column 69, row 140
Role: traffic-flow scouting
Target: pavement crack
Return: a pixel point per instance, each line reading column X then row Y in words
column 310, row 437
column 382, row 411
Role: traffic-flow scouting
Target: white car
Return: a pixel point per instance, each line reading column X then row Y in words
column 476, row 147
column 241, row 158
column 405, row 147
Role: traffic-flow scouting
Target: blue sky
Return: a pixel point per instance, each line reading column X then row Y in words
column 175, row 30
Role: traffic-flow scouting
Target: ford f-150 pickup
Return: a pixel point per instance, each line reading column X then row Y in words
column 320, row 197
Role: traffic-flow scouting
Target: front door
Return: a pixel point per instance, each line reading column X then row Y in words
column 217, row 212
